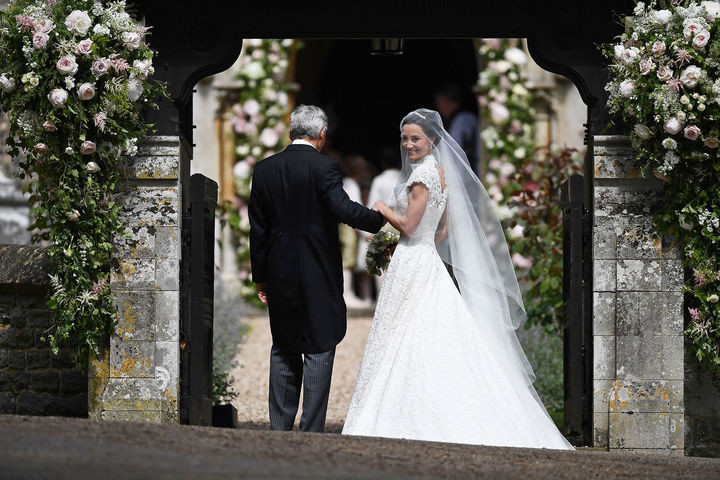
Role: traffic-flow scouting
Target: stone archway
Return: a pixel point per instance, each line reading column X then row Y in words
column 632, row 364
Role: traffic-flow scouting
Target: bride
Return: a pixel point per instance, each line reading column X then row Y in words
column 442, row 362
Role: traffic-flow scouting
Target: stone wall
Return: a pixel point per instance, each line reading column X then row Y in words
column 33, row 381
column 137, row 378
column 638, row 311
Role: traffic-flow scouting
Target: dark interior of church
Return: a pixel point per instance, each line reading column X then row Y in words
column 367, row 95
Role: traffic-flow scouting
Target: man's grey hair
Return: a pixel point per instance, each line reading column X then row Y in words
column 307, row 121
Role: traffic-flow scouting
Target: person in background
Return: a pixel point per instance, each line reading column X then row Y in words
column 381, row 189
column 461, row 123
column 353, row 167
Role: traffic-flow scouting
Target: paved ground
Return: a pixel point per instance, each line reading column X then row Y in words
column 47, row 447
column 251, row 374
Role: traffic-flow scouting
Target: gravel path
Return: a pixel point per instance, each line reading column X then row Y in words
column 253, row 363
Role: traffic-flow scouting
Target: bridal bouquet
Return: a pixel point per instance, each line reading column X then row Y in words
column 380, row 250
column 665, row 81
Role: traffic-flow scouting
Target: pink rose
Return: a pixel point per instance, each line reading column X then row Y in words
column 691, row 132
column 691, row 27
column 44, row 26
column 87, row 147
column 58, row 97
column 100, row 67
column 664, row 73
column 40, row 40
column 86, row 91
column 84, row 47
column 712, row 142
column 131, row 40
column 67, row 65
column 499, row 112
column 49, row 126
column 701, row 39
column 646, row 66
column 41, row 148
column 673, row 125
column 658, row 47
column 520, row 261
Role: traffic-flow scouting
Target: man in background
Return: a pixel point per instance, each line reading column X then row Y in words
column 461, row 123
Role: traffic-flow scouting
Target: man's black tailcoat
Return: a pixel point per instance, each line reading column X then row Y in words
column 296, row 202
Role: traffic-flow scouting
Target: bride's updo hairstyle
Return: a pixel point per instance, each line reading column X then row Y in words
column 428, row 127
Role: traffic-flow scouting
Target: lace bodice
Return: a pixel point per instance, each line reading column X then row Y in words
column 425, row 172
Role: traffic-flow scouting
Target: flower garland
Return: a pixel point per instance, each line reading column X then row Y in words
column 665, row 81
column 522, row 180
column 259, row 111
column 73, row 75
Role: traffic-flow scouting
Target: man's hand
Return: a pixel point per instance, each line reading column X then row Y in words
column 262, row 292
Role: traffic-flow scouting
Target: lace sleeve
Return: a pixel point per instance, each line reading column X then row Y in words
column 428, row 176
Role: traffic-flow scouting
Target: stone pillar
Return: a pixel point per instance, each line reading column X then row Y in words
column 137, row 378
column 638, row 310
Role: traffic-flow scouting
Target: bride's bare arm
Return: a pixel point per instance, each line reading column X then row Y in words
column 417, row 202
column 442, row 231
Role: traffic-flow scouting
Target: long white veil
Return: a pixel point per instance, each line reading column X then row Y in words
column 475, row 247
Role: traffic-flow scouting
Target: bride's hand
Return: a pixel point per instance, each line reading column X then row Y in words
column 380, row 206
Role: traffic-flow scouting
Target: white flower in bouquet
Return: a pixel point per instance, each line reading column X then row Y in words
column 646, row 65
column 88, row 147
column 40, row 40
column 713, row 298
column 135, row 89
column 84, row 47
column 618, row 51
column 627, row 88
column 131, row 40
column 69, row 150
column 45, row 25
column 69, row 82
column 143, row 67
column 242, row 150
column 670, row 160
column 701, row 107
column 58, row 97
column 131, row 146
column 78, row 22
column 30, row 79
column 269, row 137
column 681, row 116
column 691, row 76
column 67, row 65
column 629, row 55
column 669, row 143
column 49, row 126
column 673, row 125
column 254, row 70
column 101, row 29
column 7, row 84
column 664, row 73
column 515, row 55
column 712, row 9
column 499, row 112
column 701, row 39
column 712, row 142
column 241, row 169
column 100, row 67
column 86, row 91
column 661, row 17
column 639, row 8
column 92, row 167
column 692, row 132
column 684, row 99
column 658, row 48
column 256, row 151
column 642, row 131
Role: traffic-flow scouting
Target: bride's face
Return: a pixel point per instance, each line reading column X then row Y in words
column 414, row 141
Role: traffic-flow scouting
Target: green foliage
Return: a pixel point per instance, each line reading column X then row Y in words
column 665, row 81
column 73, row 145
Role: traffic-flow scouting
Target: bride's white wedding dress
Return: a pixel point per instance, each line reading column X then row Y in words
column 429, row 372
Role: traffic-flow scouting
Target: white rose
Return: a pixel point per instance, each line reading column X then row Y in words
column 78, row 22
column 86, row 91
column 691, row 26
column 701, row 39
column 254, row 70
column 642, row 131
column 630, row 55
column 714, row 297
column 661, row 17
column 7, row 83
column 100, row 67
column 712, row 9
column 646, row 66
column 619, row 50
column 241, row 169
column 690, row 76
column 143, row 67
column 135, row 89
column 673, row 125
column 242, row 150
column 664, row 73
column 269, row 137
column 627, row 87
column 67, row 65
column 516, row 56
column 45, row 25
column 58, row 97
column 100, row 29
column 84, row 47
column 40, row 40
column 92, row 167
column 131, row 40
column 251, row 107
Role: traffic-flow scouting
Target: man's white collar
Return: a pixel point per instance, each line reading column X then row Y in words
column 300, row 141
